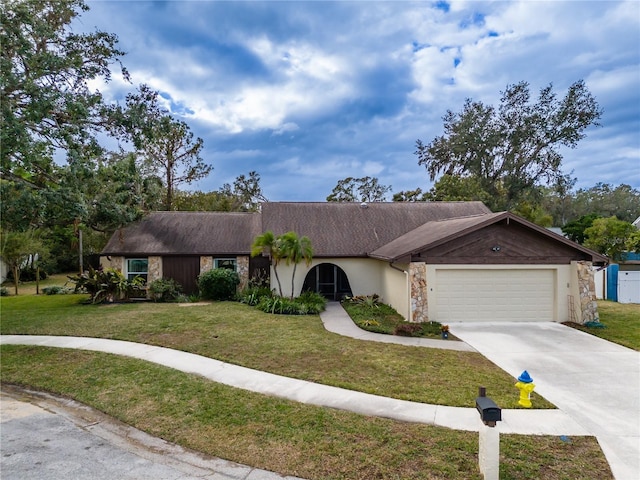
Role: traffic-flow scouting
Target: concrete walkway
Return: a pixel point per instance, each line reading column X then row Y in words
column 336, row 320
column 595, row 382
column 539, row 422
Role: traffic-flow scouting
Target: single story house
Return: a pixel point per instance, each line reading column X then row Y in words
column 439, row 261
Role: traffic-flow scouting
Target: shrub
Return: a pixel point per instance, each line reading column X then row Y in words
column 315, row 302
column 407, row 329
column 369, row 301
column 218, row 284
column 307, row 304
column 106, row 285
column 252, row 295
column 27, row 274
column 165, row 290
column 56, row 290
column 4, row 292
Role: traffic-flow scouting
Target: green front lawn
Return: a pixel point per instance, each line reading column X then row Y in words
column 283, row 436
column 294, row 346
column 276, row 434
column 622, row 322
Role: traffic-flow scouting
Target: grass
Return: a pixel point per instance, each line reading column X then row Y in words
column 622, row 322
column 275, row 434
column 278, row 435
column 293, row 346
column 30, row 288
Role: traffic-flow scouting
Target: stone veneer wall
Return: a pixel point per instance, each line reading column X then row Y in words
column 587, row 291
column 418, row 281
column 242, row 263
column 154, row 269
column 206, row 264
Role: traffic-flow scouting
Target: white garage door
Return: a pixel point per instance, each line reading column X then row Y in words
column 495, row 295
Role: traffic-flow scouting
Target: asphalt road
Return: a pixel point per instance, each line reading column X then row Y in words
column 45, row 438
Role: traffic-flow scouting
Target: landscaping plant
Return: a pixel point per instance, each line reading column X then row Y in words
column 165, row 290
column 106, row 285
column 218, row 284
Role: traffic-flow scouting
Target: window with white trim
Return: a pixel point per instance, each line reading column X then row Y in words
column 228, row 263
column 137, row 267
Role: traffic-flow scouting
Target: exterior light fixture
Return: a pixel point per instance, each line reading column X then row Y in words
column 495, row 248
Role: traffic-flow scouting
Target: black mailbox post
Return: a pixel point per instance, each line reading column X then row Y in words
column 490, row 413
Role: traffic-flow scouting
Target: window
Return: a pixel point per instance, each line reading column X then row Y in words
column 229, row 263
column 137, row 267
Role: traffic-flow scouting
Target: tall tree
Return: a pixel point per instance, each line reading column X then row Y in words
column 16, row 248
column 246, row 192
column 515, row 147
column 166, row 145
column 609, row 236
column 608, row 200
column 365, row 189
column 173, row 154
column 45, row 70
column 295, row 249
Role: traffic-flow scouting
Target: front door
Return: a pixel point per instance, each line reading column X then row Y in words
column 329, row 280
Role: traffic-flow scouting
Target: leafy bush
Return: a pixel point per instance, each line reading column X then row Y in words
column 106, row 285
column 57, row 290
column 4, row 292
column 218, row 284
column 252, row 295
column 308, row 303
column 369, row 301
column 315, row 302
column 165, row 290
column 407, row 329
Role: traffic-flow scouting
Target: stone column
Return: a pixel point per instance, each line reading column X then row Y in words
column 242, row 263
column 587, row 292
column 117, row 263
column 154, row 271
column 206, row 264
column 418, row 290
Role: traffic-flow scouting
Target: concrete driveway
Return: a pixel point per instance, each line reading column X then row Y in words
column 594, row 381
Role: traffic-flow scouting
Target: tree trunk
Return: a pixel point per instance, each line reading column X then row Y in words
column 16, row 278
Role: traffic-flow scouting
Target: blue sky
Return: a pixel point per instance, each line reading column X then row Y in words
column 308, row 93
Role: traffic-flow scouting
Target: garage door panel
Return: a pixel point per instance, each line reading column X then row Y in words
column 495, row 295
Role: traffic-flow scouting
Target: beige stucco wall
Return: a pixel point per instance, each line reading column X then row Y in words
column 366, row 271
column 366, row 277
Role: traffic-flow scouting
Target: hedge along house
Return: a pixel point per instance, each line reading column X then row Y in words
column 441, row 261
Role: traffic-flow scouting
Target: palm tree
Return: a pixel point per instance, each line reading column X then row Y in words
column 268, row 243
column 295, row 249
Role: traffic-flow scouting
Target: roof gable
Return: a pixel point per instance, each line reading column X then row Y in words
column 432, row 235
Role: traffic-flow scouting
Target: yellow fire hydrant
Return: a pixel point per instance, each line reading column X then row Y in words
column 525, row 385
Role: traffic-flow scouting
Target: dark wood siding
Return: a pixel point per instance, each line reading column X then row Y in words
column 503, row 243
column 184, row 270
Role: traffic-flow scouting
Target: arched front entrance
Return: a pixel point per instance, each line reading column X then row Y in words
column 329, row 280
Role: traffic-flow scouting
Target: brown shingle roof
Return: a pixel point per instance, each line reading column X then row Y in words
column 335, row 229
column 352, row 229
column 186, row 233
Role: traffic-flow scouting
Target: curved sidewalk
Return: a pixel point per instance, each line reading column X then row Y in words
column 336, row 320
column 537, row 422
